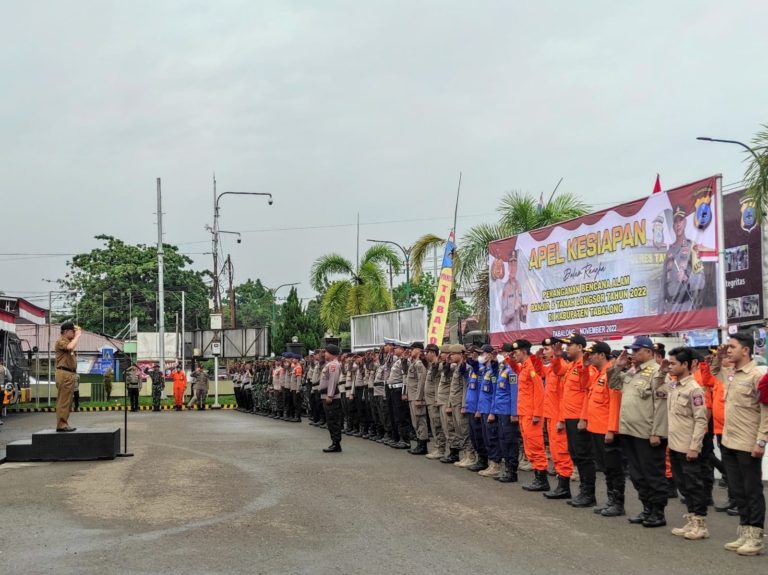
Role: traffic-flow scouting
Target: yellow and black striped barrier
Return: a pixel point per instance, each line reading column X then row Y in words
column 52, row 409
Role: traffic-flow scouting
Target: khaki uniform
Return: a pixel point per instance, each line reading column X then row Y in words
column 414, row 384
column 66, row 380
column 746, row 419
column 457, row 390
column 433, row 410
column 443, row 401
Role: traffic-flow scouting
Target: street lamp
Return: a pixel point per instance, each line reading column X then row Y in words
column 274, row 291
column 751, row 151
column 407, row 256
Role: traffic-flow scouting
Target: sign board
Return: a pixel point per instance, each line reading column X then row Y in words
column 215, row 321
column 369, row 331
column 215, row 348
column 235, row 343
column 642, row 267
column 743, row 260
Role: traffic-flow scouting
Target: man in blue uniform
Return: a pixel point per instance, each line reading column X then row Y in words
column 504, row 410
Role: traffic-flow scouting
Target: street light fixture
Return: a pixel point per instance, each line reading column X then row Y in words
column 274, row 291
column 754, row 154
column 407, row 256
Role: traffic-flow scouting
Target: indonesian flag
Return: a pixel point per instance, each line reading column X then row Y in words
column 657, row 185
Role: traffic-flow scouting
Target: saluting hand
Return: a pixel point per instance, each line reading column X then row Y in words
column 622, row 360
column 609, row 437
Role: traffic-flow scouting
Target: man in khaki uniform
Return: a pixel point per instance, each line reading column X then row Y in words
column 66, row 373
column 414, row 391
column 687, row 412
column 430, row 393
column 744, row 435
column 456, row 392
column 643, row 429
column 442, row 400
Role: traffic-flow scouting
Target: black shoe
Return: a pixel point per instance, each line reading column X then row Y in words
column 640, row 517
column 562, row 491
column 655, row 519
column 613, row 510
column 539, row 483
column 66, row 429
column 508, row 473
column 584, row 499
column 452, row 457
column 480, row 464
column 420, row 449
column 333, row 448
column 357, row 434
column 733, row 511
column 402, row 445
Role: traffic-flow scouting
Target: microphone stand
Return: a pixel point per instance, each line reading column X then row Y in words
column 120, row 355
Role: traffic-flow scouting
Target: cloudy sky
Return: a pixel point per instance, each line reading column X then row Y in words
column 341, row 108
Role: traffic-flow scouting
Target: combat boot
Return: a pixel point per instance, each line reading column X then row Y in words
column 642, row 516
column 754, row 543
column 436, row 454
column 585, row 498
column 730, row 504
column 524, row 464
column 471, row 459
column 698, row 529
column 451, row 457
column 615, row 507
column 508, row 473
column 480, row 464
column 402, row 445
column 562, row 491
column 420, row 449
column 492, row 470
column 742, row 533
column 540, row 482
column 333, row 448
column 681, row 531
column 599, row 508
column 656, row 518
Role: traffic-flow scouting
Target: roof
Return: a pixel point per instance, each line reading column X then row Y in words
column 89, row 342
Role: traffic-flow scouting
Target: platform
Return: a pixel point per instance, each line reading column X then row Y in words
column 84, row 444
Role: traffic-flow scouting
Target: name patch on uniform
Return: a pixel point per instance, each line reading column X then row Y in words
column 661, row 394
column 502, row 384
column 601, row 381
column 698, row 400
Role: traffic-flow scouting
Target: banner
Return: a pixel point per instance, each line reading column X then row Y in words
column 743, row 260
column 647, row 266
column 439, row 318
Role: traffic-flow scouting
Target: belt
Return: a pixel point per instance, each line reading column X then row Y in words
column 396, row 386
column 379, row 384
column 67, row 369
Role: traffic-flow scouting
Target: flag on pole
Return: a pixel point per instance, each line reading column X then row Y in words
column 439, row 317
column 657, row 185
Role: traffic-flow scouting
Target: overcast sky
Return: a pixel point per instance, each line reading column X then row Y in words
column 346, row 107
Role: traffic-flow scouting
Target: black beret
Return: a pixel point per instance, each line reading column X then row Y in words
column 432, row 347
column 66, row 326
column 522, row 344
column 487, row 348
column 332, row 349
column 417, row 345
column 507, row 347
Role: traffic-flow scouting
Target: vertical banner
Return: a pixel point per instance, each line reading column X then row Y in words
column 439, row 317
column 743, row 260
column 646, row 266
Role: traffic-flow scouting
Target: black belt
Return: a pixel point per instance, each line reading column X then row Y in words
column 67, row 369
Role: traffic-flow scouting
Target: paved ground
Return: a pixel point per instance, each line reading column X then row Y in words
column 226, row 492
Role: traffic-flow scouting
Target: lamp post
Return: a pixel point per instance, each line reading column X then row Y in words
column 274, row 291
column 407, row 257
column 751, row 151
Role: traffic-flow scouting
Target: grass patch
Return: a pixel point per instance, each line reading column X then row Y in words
column 119, row 401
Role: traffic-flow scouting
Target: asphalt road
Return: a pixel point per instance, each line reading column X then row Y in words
column 226, row 492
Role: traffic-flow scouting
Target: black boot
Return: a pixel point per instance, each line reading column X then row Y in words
column 539, row 483
column 333, row 448
column 508, row 472
column 598, row 509
column 730, row 504
column 479, row 465
column 656, row 518
column 642, row 516
column 585, row 498
column 453, row 456
column 563, row 489
column 420, row 449
column 615, row 508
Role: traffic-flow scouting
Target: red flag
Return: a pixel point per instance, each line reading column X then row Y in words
column 657, row 185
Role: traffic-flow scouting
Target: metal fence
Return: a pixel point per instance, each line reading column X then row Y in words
column 369, row 331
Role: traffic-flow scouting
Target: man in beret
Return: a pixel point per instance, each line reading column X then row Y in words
column 443, row 396
column 398, row 406
column 414, row 393
column 66, row 373
column 505, row 414
column 432, row 353
column 456, row 394
column 329, row 393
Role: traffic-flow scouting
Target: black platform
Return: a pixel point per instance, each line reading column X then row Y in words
column 85, row 444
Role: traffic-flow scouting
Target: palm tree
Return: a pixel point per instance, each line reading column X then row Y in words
column 364, row 290
column 518, row 213
column 756, row 175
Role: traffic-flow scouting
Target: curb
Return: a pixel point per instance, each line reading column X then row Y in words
column 111, row 408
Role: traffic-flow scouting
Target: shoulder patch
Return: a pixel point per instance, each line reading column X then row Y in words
column 698, row 399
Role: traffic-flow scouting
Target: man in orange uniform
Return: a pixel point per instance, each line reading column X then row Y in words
column 558, row 442
column 179, row 387
column 601, row 418
column 530, row 409
column 575, row 380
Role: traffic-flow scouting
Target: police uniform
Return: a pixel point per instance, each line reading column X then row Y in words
column 133, row 381
column 399, row 407
column 433, row 410
column 456, row 392
column 442, row 400
column 475, row 422
column 488, row 381
column 505, row 410
column 681, row 294
column 329, row 392
column 414, row 386
column 200, row 387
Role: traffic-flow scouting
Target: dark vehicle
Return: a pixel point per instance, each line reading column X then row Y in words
column 17, row 362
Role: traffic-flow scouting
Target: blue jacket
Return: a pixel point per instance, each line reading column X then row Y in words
column 487, row 380
column 473, row 390
column 505, row 395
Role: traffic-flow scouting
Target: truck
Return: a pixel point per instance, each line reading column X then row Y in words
column 18, row 364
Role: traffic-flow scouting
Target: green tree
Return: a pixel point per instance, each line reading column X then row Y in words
column 422, row 292
column 253, row 305
column 119, row 280
column 756, row 175
column 294, row 321
column 518, row 213
column 364, row 290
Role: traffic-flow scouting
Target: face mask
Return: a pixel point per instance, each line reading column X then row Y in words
column 500, row 358
column 481, row 359
column 453, row 365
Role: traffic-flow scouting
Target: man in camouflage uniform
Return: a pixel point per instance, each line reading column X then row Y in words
column 158, row 383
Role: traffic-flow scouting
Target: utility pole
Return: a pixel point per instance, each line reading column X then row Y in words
column 232, row 322
column 215, row 288
column 160, row 279
column 50, row 310
column 183, row 336
column 103, row 315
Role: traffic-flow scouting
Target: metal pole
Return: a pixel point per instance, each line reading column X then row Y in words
column 183, row 334
column 37, row 366
column 160, row 281
column 50, row 307
column 722, row 311
column 216, row 381
column 103, row 315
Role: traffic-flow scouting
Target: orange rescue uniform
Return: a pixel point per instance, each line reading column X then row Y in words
column 179, row 387
column 558, row 441
column 530, row 404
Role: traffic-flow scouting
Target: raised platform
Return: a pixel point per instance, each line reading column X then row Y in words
column 85, row 444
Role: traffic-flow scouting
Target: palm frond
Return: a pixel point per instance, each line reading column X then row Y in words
column 333, row 307
column 518, row 212
column 357, row 301
column 564, row 206
column 383, row 254
column 756, row 174
column 419, row 252
column 481, row 297
column 327, row 266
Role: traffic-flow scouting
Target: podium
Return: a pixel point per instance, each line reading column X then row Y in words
column 84, row 444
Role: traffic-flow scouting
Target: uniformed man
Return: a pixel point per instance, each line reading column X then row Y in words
column 414, row 392
column 432, row 353
column 473, row 415
column 575, row 380
column 643, row 429
column 179, row 387
column 372, row 371
column 237, row 387
column 398, row 408
column 277, row 396
column 683, row 270
column 558, row 441
column 512, row 297
column 297, row 388
column 601, row 418
column 158, row 384
column 379, row 392
column 133, row 381
column 66, row 373
column 745, row 433
column 248, row 384
column 358, row 391
column 504, row 412
column 329, row 392
column 485, row 409
column 456, row 393
column 443, row 401
column 390, row 430
column 687, row 422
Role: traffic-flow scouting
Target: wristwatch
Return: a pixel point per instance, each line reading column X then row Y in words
column 761, row 443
